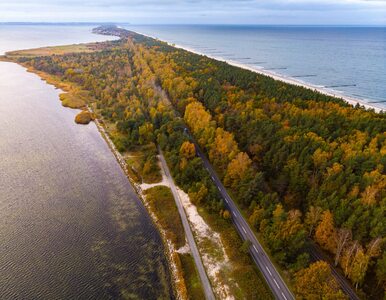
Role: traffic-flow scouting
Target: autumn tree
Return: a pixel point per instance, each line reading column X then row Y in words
column 223, row 149
column 325, row 233
column 188, row 150
column 146, row 133
column 197, row 117
column 312, row 218
column 238, row 170
column 358, row 267
column 198, row 196
column 348, row 254
column 343, row 237
column 307, row 149
column 285, row 231
column 356, row 259
column 317, row 282
column 381, row 271
column 226, row 214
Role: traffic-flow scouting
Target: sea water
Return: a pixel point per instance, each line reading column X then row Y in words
column 350, row 61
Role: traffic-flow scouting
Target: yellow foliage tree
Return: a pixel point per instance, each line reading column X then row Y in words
column 188, row 150
column 312, row 218
column 359, row 267
column 197, row 117
column 325, row 234
column 292, row 225
column 317, row 282
column 145, row 133
column 320, row 157
column 226, row 215
column 238, row 169
column 224, row 148
column 198, row 197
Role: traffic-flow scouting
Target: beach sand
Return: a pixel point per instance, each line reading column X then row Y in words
column 351, row 100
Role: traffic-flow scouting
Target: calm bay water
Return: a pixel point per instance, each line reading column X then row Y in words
column 17, row 37
column 71, row 225
column 346, row 60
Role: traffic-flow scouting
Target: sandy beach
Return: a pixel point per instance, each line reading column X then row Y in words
column 351, row 100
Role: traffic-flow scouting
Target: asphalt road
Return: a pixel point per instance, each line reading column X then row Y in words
column 273, row 278
column 188, row 232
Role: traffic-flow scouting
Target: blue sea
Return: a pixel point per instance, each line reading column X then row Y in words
column 347, row 61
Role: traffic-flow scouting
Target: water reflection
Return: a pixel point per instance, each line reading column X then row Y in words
column 71, row 225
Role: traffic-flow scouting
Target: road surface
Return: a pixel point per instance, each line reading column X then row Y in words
column 188, row 232
column 273, row 278
column 277, row 285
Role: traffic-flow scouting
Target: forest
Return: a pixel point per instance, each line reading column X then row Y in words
column 307, row 169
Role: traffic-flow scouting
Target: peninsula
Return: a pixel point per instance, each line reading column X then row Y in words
column 283, row 178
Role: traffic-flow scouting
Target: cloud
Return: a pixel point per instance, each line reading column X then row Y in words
column 197, row 11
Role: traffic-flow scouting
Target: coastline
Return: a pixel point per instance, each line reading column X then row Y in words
column 177, row 279
column 173, row 278
column 348, row 99
column 178, row 282
column 103, row 128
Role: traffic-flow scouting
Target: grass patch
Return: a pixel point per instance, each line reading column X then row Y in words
column 133, row 166
column 192, row 280
column 143, row 164
column 84, row 117
column 162, row 203
column 55, row 50
column 72, row 100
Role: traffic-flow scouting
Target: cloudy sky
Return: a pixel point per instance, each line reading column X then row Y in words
column 367, row 12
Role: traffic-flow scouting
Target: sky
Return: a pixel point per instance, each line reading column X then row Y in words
column 288, row 12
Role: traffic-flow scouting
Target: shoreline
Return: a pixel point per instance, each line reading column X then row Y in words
column 177, row 281
column 175, row 275
column 169, row 249
column 348, row 99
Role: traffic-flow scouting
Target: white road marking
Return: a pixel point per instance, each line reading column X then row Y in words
column 268, row 270
column 234, row 214
column 226, row 200
column 276, row 283
column 213, row 178
column 284, row 296
column 254, row 247
column 243, row 229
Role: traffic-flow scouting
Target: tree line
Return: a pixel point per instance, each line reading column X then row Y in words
column 305, row 167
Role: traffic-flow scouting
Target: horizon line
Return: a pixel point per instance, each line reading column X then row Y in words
column 183, row 24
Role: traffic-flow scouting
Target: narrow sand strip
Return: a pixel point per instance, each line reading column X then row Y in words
column 351, row 100
column 204, row 235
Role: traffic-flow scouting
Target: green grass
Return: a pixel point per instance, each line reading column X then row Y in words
column 162, row 203
column 192, row 280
